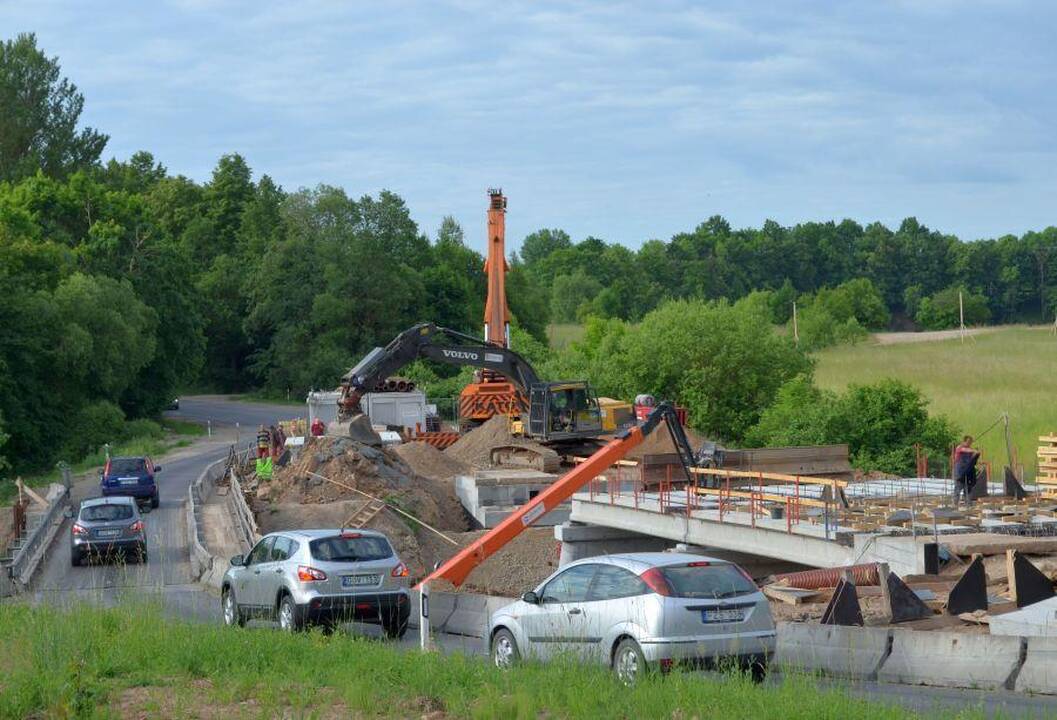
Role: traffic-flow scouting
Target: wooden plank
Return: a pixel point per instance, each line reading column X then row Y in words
column 789, row 595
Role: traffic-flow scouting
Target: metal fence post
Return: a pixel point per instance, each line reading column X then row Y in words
column 423, row 622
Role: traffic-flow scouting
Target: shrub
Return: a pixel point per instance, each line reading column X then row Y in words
column 142, row 429
column 91, row 427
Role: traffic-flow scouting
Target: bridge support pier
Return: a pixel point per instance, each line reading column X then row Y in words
column 582, row 540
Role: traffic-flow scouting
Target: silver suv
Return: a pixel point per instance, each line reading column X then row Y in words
column 108, row 527
column 319, row 577
column 640, row 610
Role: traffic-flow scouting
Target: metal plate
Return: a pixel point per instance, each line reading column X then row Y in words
column 722, row 616
column 359, row 580
column 129, row 481
column 108, row 533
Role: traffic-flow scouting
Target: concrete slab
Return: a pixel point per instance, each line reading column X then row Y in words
column 1038, row 674
column 951, row 659
column 492, row 495
column 831, row 649
column 1038, row 620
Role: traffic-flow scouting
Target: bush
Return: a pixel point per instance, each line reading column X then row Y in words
column 817, row 328
column 880, row 422
column 91, row 427
column 940, row 311
column 142, row 429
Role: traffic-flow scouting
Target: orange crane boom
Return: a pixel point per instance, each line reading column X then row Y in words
column 496, row 312
column 457, row 568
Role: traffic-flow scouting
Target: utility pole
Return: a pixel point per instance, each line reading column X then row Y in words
column 796, row 331
column 961, row 316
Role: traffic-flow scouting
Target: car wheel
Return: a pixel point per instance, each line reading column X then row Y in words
column 154, row 500
column 75, row 559
column 758, row 671
column 395, row 629
column 232, row 615
column 141, row 556
column 288, row 618
column 628, row 662
column 504, row 649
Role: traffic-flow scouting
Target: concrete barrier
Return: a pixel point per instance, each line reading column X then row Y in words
column 458, row 613
column 950, row 659
column 1038, row 674
column 831, row 649
column 208, row 569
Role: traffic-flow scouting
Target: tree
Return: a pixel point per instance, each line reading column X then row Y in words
column 539, row 245
column 570, row 292
column 880, row 422
column 941, row 311
column 39, row 112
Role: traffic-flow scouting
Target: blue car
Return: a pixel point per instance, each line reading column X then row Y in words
column 131, row 476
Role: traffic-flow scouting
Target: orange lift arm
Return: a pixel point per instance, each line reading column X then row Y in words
column 457, row 568
column 496, row 312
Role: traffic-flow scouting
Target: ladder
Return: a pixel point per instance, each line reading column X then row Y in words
column 364, row 514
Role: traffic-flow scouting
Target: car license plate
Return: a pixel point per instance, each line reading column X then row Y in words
column 109, row 533
column 129, row 481
column 359, row 580
column 722, row 616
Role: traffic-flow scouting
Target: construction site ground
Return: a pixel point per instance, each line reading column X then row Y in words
column 333, row 480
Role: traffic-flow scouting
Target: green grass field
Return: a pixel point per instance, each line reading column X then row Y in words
column 1012, row 370
column 131, row 662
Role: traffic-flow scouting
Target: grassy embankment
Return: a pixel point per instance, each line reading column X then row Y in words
column 1012, row 369
column 131, row 662
column 145, row 438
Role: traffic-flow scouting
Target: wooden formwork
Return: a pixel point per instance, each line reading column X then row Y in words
column 1047, row 476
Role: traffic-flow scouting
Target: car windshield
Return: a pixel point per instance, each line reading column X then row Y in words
column 106, row 513
column 707, row 581
column 350, row 549
column 127, row 466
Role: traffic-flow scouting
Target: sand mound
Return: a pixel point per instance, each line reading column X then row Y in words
column 428, row 461
column 475, row 447
column 660, row 442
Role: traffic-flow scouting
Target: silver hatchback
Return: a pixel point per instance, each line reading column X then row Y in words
column 640, row 610
column 319, row 577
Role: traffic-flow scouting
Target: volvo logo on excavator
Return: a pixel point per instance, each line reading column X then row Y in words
column 460, row 354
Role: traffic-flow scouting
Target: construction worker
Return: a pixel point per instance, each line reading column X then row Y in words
column 263, row 441
column 964, row 475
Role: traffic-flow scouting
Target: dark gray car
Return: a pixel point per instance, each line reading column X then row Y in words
column 108, row 527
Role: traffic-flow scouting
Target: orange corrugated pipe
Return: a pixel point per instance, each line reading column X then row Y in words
column 867, row 574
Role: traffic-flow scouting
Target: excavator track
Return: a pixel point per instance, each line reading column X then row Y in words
column 529, row 456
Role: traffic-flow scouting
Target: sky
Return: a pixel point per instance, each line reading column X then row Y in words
column 623, row 121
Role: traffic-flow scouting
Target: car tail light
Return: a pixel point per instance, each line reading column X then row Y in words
column 654, row 578
column 700, row 563
column 136, row 526
column 400, row 570
column 78, row 529
column 350, row 535
column 310, row 574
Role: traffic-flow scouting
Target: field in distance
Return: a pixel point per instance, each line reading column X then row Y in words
column 1008, row 369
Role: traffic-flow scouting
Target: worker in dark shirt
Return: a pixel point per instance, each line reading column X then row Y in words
column 964, row 475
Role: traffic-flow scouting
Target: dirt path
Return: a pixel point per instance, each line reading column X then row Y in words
column 897, row 338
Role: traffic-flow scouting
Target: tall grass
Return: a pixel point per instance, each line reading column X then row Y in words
column 1010, row 370
column 88, row 662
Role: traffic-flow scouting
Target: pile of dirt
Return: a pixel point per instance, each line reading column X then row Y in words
column 428, row 461
column 319, row 489
column 659, row 442
column 475, row 447
column 519, row 567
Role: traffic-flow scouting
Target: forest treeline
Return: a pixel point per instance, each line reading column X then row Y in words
column 126, row 283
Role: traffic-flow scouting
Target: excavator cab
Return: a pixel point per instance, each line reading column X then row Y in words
column 563, row 411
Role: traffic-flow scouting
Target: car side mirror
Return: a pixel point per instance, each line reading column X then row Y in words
column 531, row 598
column 145, row 510
column 157, row 468
column 238, row 561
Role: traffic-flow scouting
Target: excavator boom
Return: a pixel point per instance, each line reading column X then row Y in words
column 457, row 568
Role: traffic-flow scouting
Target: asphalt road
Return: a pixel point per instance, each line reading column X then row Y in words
column 166, row 576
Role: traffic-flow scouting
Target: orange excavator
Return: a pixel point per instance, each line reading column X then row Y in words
column 492, row 393
column 457, row 568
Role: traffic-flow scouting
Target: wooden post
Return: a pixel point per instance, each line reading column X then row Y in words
column 1011, row 575
column 886, row 592
column 796, row 330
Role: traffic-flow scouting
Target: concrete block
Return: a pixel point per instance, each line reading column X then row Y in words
column 904, row 555
column 1038, row 620
column 950, row 659
column 831, row 649
column 1038, row 674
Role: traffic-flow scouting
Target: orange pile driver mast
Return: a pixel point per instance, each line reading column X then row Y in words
column 491, row 394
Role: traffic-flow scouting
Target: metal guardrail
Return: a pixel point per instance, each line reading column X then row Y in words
column 25, row 560
column 245, row 523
